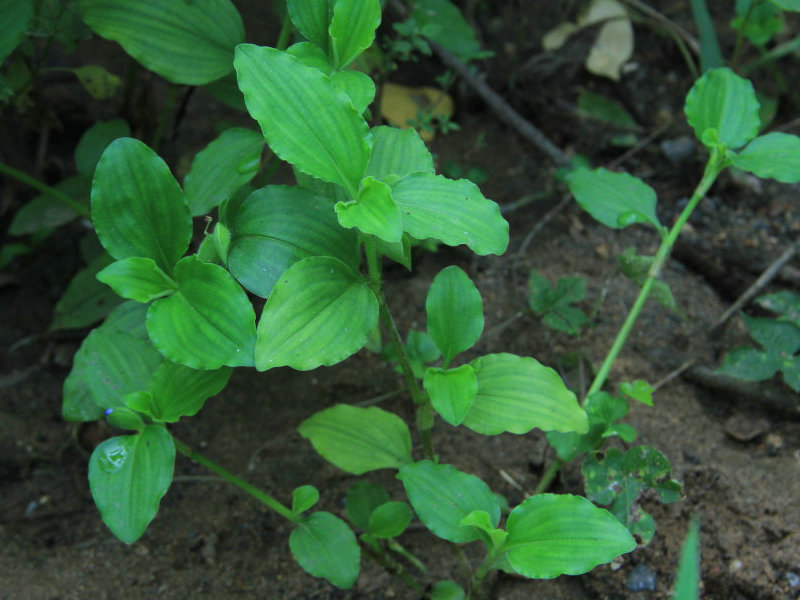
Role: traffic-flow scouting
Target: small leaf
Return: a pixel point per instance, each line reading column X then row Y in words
column 358, row 440
column 326, row 547
column 447, row 590
column 639, row 390
column 397, row 153
column 687, row 579
column 775, row 155
column 560, row 534
column 442, row 496
column 138, row 279
column 95, row 140
column 222, row 167
column 374, row 212
column 604, row 109
column 128, row 476
column 179, row 391
column 125, row 418
column 451, row 391
column 311, row 55
column 358, row 86
column 352, row 28
column 785, row 303
column 723, row 101
column 303, row 498
column 100, row 83
column 86, row 300
column 389, row 520
column 208, row 322
column 455, row 312
column 608, row 196
column 362, row 498
column 299, row 331
column 312, row 18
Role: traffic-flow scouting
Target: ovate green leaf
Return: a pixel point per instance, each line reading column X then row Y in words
column 352, row 28
column 615, row 199
column 455, row 312
column 86, row 300
column 362, row 498
column 303, row 498
column 326, row 547
column 15, row 15
column 373, row 213
column 389, row 520
column 179, row 391
column 312, row 18
column 775, row 155
column 44, row 211
column 451, row 391
column 358, row 86
column 95, row 140
column 137, row 279
column 397, row 153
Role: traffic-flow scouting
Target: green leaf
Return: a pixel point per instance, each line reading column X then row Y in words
column 312, row 18
column 516, row 394
column 615, row 199
column 45, row 212
column 208, row 322
column 560, row 534
column 222, row 167
column 300, row 331
column 303, row 498
column 389, row 520
column 790, row 369
column 138, row 208
column 710, row 53
column 277, row 226
column 128, row 476
column 129, row 317
column 125, row 418
column 785, row 303
column 358, row 440
column 554, row 304
column 179, row 391
column 307, row 120
column 86, row 300
column 604, row 109
column 374, row 212
column 447, row 589
column 455, row 312
column 95, row 140
column 326, row 547
column 603, row 411
column 451, row 391
column 687, row 579
column 637, row 268
column 750, row 364
column 722, row 101
column 773, row 334
column 15, row 15
column 312, row 55
column 358, row 86
column 98, row 81
column 137, row 279
column 442, row 496
column 352, row 28
column 639, row 390
column 185, row 42
column 362, row 498
column 443, row 23
column 775, row 155
column 452, row 211
column 397, row 153
column 791, row 5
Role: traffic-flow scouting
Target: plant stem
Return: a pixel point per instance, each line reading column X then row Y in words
column 258, row 494
column 422, row 405
column 392, row 566
column 548, row 476
column 36, row 184
column 286, row 30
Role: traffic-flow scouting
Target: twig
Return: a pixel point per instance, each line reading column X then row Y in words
column 652, row 12
column 757, row 286
column 673, row 374
column 542, row 222
column 641, row 145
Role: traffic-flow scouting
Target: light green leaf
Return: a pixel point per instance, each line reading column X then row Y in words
column 352, row 28
column 451, row 391
column 311, row 55
column 452, row 211
column 86, row 300
column 45, row 212
column 615, row 199
column 326, row 547
column 455, row 312
column 138, row 208
column 208, row 322
column 362, row 498
column 179, row 391
column 723, row 101
column 128, row 476
column 299, row 330
column 447, row 589
column 185, row 42
column 775, row 155
column 639, row 390
column 397, row 153
column 312, row 18
column 15, row 15
column 687, row 579
column 358, row 86
column 303, row 498
column 560, row 534
column 98, row 81
column 277, row 226
column 374, row 213
column 442, row 496
column 95, row 140
column 137, row 279
column 222, row 167
column 307, row 120
column 389, row 520
column 358, row 440
column 516, row 394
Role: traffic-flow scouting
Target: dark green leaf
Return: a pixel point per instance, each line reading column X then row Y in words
column 455, row 312
column 443, row 23
column 750, row 364
column 95, row 140
column 389, row 520
column 86, row 300
column 604, row 109
column 138, row 279
column 312, row 18
column 615, row 199
column 710, row 53
column 772, row 334
column 326, row 547
column 783, row 303
column 46, row 212
column 15, row 15
column 362, row 498
column 179, row 391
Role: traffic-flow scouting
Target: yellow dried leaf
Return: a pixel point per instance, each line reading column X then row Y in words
column 558, row 35
column 402, row 106
column 614, row 44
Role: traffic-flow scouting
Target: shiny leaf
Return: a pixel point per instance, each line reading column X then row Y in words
column 312, row 18
column 358, row 86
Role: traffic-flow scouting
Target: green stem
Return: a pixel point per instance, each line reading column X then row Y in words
column 391, row 565
column 258, row 494
column 36, row 184
column 286, row 30
column 772, row 55
column 397, row 548
column 737, row 49
column 422, row 404
column 548, row 476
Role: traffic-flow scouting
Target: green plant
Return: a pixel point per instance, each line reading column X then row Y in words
column 554, row 304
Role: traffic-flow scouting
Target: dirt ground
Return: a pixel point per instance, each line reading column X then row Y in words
column 211, row 541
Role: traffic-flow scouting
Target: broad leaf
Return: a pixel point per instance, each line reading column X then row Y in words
column 208, row 322
column 773, row 334
column 179, row 391
column 277, row 226
column 560, row 534
column 397, row 153
column 185, row 42
column 389, row 520
column 362, row 498
column 307, row 120
column 516, row 394
column 750, row 364
column 137, row 279
column 326, row 547
column 45, row 212
column 319, row 313
column 615, row 199
column 358, row 86
column 95, row 140
column 775, row 155
column 15, row 15
column 138, row 208
column 451, row 211
column 86, row 300
column 222, row 167
column 724, row 102
column 312, row 18
column 352, row 28
column 358, row 440
column 128, row 476
column 129, row 317
column 442, row 496
column 455, row 312
column 373, row 213
column 451, row 391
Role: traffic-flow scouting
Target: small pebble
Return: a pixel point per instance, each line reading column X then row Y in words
column 642, row 578
column 774, row 443
column 736, row 565
column 678, row 149
column 793, row 578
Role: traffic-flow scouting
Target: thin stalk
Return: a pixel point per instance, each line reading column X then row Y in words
column 392, row 566
column 548, row 476
column 286, row 30
column 480, row 574
column 258, row 494
column 737, row 49
column 38, row 185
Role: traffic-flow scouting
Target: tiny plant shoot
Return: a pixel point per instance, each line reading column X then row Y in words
column 314, row 251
